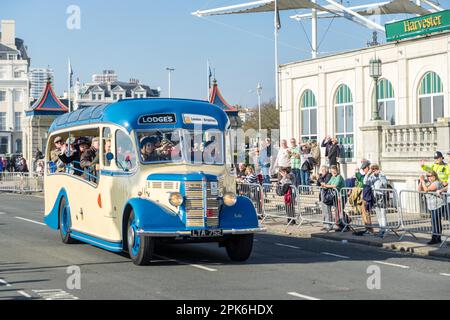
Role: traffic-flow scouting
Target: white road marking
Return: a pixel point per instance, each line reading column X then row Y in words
column 286, row 245
column 2, row 213
column 334, row 255
column 198, row 266
column 445, row 274
column 5, row 283
column 24, row 219
column 23, row 293
column 55, row 294
column 298, row 295
column 393, row 264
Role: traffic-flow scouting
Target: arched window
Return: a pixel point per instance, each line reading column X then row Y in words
column 386, row 101
column 343, row 106
column 431, row 98
column 308, row 108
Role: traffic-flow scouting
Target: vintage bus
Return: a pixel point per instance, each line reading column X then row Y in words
column 157, row 170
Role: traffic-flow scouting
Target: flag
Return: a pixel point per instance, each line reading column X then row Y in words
column 277, row 13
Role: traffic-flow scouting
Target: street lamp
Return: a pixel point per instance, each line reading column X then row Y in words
column 258, row 92
column 170, row 70
column 375, row 73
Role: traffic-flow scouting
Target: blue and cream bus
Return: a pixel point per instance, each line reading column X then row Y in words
column 162, row 172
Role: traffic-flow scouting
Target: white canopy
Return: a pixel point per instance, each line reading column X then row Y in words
column 395, row 7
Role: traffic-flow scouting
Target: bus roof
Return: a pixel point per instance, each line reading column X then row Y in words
column 137, row 114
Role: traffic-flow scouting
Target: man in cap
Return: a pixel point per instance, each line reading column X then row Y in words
column 439, row 166
column 54, row 154
column 357, row 195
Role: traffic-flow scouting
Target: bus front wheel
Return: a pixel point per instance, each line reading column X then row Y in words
column 239, row 247
column 140, row 247
column 65, row 222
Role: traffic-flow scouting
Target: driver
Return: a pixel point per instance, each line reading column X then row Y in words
column 148, row 149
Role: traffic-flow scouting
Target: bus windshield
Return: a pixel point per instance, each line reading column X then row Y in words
column 177, row 145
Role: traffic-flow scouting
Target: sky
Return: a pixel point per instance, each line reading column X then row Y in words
column 140, row 38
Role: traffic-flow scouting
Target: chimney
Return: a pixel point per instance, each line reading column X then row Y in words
column 8, row 29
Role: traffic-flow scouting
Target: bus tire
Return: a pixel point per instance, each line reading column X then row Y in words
column 141, row 247
column 239, row 247
column 65, row 222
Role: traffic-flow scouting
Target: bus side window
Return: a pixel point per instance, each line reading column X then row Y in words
column 106, row 145
column 125, row 153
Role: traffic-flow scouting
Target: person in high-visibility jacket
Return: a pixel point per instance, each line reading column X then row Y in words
column 439, row 166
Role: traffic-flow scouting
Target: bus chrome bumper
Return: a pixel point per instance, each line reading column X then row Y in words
column 189, row 233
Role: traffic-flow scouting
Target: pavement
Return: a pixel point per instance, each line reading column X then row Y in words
column 35, row 264
column 416, row 246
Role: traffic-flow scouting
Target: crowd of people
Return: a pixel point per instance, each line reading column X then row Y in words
column 300, row 165
column 16, row 163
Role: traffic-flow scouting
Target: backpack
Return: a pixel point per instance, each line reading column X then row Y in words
column 327, row 197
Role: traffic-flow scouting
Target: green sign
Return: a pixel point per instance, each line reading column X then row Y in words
column 426, row 24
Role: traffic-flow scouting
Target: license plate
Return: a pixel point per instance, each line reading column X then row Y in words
column 206, row 233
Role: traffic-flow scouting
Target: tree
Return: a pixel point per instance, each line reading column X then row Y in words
column 270, row 117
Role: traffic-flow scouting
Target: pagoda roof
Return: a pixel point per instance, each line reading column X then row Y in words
column 48, row 103
column 216, row 98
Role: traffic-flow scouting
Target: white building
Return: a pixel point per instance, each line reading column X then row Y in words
column 38, row 80
column 106, row 76
column 332, row 95
column 107, row 92
column 14, row 84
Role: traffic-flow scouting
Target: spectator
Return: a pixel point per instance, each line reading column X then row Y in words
column 357, row 196
column 336, row 183
column 377, row 181
column 287, row 180
column 306, row 164
column 283, row 159
column 240, row 172
column 1, row 164
column 294, row 153
column 315, row 153
column 435, row 203
column 40, row 167
column 250, row 177
column 22, row 166
column 439, row 166
column 263, row 161
column 326, row 143
column 334, row 153
column 324, row 178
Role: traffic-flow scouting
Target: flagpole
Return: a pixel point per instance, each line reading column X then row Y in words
column 208, row 85
column 276, row 25
column 68, row 84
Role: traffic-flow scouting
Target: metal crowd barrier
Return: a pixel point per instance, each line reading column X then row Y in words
column 426, row 213
column 275, row 206
column 379, row 209
column 21, row 182
column 314, row 208
column 253, row 192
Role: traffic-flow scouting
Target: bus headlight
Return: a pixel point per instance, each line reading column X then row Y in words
column 229, row 199
column 175, row 199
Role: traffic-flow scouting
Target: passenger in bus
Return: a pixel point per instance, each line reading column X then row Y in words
column 148, row 149
column 107, row 149
column 77, row 147
column 54, row 154
column 89, row 159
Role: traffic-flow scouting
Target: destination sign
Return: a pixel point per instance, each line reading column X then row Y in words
column 161, row 118
column 199, row 119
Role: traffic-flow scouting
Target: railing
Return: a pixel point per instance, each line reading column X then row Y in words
column 21, row 182
column 410, row 140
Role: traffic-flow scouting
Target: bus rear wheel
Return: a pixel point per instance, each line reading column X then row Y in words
column 65, row 222
column 140, row 247
column 239, row 247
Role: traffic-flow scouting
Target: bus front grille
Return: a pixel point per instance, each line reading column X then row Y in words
column 201, row 211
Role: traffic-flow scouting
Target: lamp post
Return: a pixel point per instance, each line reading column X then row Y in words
column 258, row 92
column 375, row 73
column 170, row 70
